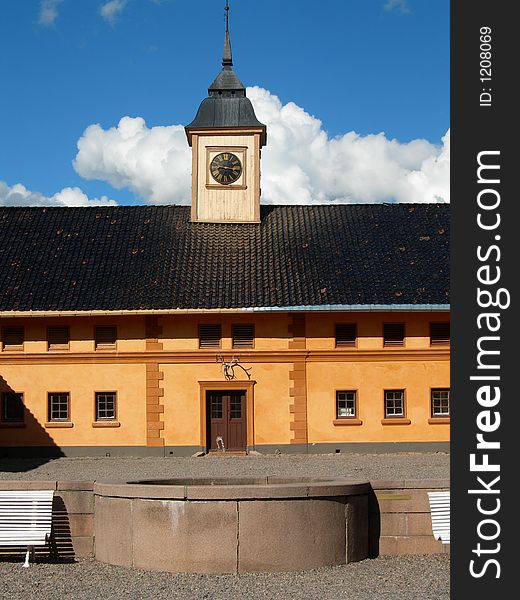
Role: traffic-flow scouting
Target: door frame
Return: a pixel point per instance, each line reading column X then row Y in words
column 219, row 386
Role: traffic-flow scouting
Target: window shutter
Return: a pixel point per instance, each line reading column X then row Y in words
column 439, row 334
column 393, row 334
column 243, row 336
column 59, row 337
column 209, row 336
column 12, row 338
column 106, row 336
column 346, row 334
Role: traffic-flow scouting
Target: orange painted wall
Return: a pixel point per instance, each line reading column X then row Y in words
column 368, row 368
column 182, row 411
column 370, row 379
column 81, row 381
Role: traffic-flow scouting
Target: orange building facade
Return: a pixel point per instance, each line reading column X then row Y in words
column 224, row 325
column 301, row 383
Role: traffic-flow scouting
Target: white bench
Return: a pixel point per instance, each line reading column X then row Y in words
column 26, row 519
column 440, row 510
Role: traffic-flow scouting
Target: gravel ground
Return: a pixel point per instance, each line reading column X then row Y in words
column 362, row 466
column 384, row 578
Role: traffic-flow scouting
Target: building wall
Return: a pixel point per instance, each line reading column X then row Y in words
column 158, row 372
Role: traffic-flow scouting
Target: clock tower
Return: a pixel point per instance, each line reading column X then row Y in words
column 226, row 140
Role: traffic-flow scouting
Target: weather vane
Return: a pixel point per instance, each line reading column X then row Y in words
column 227, row 15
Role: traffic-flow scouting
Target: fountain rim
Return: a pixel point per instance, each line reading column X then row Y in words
column 232, row 488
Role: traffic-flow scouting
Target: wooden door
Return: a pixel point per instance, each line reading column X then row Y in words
column 226, row 413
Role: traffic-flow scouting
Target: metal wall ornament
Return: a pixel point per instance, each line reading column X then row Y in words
column 228, row 367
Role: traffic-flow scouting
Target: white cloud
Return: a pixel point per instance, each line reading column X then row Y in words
column 399, row 5
column 155, row 163
column 300, row 165
column 19, row 195
column 110, row 10
column 48, row 11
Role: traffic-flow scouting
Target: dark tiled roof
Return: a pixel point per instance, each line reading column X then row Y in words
column 153, row 257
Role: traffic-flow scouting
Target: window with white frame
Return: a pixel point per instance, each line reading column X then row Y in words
column 105, row 406
column 394, row 404
column 440, row 399
column 59, row 406
column 346, row 404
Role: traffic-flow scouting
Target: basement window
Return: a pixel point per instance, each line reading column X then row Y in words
column 439, row 334
column 58, row 338
column 13, row 338
column 346, row 335
column 106, row 337
column 393, row 334
column 243, row 336
column 210, row 336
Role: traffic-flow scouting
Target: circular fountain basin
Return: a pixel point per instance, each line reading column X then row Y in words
column 230, row 525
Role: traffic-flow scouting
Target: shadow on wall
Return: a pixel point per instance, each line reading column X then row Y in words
column 24, row 446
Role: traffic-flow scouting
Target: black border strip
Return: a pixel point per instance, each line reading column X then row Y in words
column 483, row 121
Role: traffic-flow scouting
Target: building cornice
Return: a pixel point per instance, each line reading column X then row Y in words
column 206, row 356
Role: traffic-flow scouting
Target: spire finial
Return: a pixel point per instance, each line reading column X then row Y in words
column 227, row 15
column 227, row 59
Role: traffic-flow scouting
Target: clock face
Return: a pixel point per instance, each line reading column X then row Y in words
column 225, row 168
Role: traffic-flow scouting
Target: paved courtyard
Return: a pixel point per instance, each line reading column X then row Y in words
column 362, row 466
column 383, row 578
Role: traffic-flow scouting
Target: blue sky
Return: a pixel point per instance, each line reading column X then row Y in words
column 366, row 66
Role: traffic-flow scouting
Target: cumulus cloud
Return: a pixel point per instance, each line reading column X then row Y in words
column 153, row 162
column 300, row 165
column 303, row 165
column 19, row 195
column 48, row 11
column 110, row 10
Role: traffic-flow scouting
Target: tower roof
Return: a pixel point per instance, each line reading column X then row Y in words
column 227, row 105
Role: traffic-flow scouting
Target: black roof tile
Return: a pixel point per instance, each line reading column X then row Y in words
column 153, row 257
